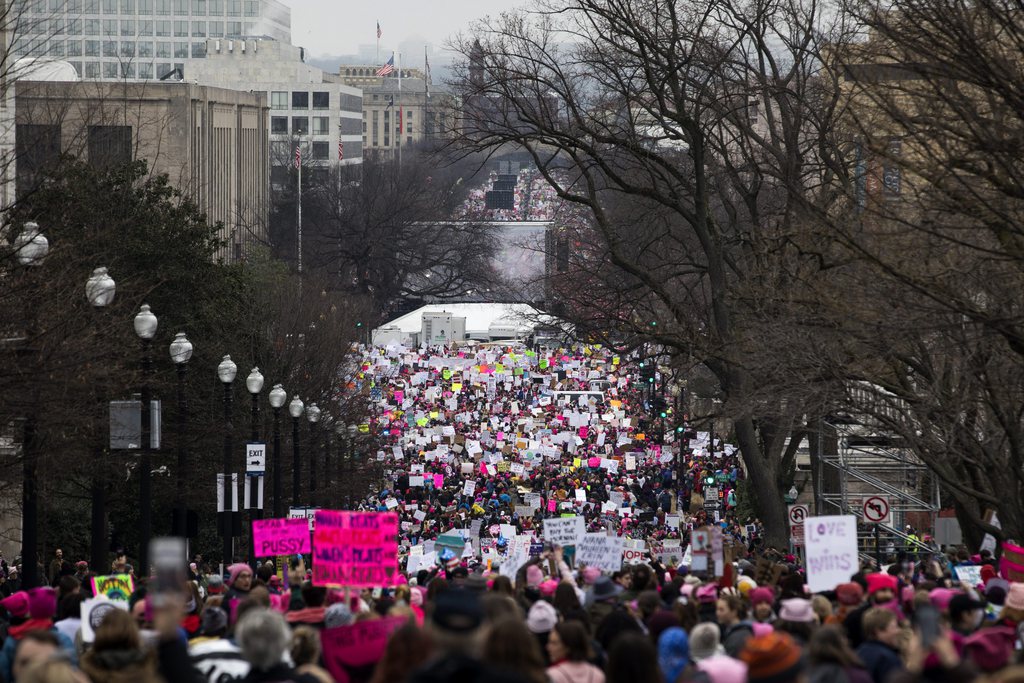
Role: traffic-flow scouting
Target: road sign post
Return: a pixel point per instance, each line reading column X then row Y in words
column 797, row 515
column 877, row 510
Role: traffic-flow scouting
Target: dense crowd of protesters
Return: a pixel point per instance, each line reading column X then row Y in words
column 479, row 446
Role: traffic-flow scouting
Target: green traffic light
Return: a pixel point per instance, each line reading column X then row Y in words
column 679, row 429
column 654, row 323
column 664, row 414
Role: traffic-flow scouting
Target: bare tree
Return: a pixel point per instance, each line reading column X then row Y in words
column 696, row 139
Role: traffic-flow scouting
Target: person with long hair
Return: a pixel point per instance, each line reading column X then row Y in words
column 117, row 654
column 832, row 659
column 408, row 649
column 510, row 646
column 569, row 650
column 633, row 659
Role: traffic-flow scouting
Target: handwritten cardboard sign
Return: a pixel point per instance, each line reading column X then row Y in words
column 288, row 536
column 563, row 531
column 350, row 652
column 831, row 551
column 114, row 587
column 355, row 549
column 600, row 550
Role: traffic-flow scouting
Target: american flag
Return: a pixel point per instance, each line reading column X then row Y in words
column 298, row 157
column 379, row 34
column 388, row 68
column 341, row 150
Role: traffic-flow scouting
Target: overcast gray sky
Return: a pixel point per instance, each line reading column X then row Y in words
column 332, row 27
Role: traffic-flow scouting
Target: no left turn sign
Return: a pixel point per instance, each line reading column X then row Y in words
column 876, row 509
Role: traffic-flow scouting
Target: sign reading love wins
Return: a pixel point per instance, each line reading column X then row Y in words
column 355, row 549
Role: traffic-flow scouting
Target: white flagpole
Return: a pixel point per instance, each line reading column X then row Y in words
column 401, row 117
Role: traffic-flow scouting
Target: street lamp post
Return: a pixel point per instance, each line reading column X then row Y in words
column 226, row 372
column 313, row 415
column 295, row 410
column 31, row 248
column 181, row 353
column 254, row 385
column 352, row 431
column 145, row 327
column 277, row 399
column 99, row 290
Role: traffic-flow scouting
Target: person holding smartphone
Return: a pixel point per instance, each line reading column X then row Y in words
column 879, row 652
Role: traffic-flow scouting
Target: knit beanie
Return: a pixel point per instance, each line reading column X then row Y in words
column 772, row 658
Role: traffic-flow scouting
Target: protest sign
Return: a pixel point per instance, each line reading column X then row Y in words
column 634, row 551
column 831, row 551
column 469, row 487
column 355, row 549
column 350, row 652
column 970, row 575
column 289, row 536
column 600, row 550
column 114, row 587
column 92, row 612
column 563, row 531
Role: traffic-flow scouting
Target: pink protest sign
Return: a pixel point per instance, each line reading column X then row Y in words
column 399, row 397
column 439, row 481
column 272, row 537
column 351, row 651
column 355, row 549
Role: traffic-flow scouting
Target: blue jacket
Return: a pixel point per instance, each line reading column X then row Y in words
column 10, row 644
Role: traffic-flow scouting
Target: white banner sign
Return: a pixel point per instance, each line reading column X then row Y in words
column 831, row 551
column 563, row 531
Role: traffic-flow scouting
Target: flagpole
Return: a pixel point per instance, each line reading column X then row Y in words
column 378, row 43
column 401, row 122
column 298, row 204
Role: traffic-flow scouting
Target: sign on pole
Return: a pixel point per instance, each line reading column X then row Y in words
column 831, row 551
column 255, row 459
column 877, row 510
column 797, row 515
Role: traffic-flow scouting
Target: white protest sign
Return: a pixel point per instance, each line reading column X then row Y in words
column 563, row 530
column 93, row 611
column 601, row 551
column 831, row 551
column 469, row 488
column 634, row 551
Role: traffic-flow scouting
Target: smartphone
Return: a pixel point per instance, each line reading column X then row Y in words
column 926, row 621
column 169, row 564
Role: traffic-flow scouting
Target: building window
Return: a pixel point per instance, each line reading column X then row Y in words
column 92, row 69
column 198, row 29
column 181, row 7
column 181, row 29
column 74, row 48
column 146, row 49
column 128, row 70
column 234, row 28
column 146, row 27
column 57, row 26
column 127, row 48
column 216, row 8
column 162, row 6
column 110, row 70
column 408, row 127
column 163, row 28
column 300, row 125
column 38, row 149
column 300, row 100
column 145, row 6
column 127, row 27
column 321, row 151
column 321, row 100
column 74, row 27
column 163, row 49
column 321, row 125
column 198, row 50
column 181, row 50
column 110, row 6
column 408, row 114
column 216, row 29
column 252, row 8
column 110, row 27
column 278, row 99
column 109, row 48
column 146, row 70
column 198, row 8
column 234, row 8
column 93, row 27
column 279, row 125
column 92, row 48
column 162, row 69
column 127, row 6
column 56, row 48
column 408, row 140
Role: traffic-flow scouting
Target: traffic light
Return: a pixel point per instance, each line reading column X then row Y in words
column 709, row 480
column 659, row 406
